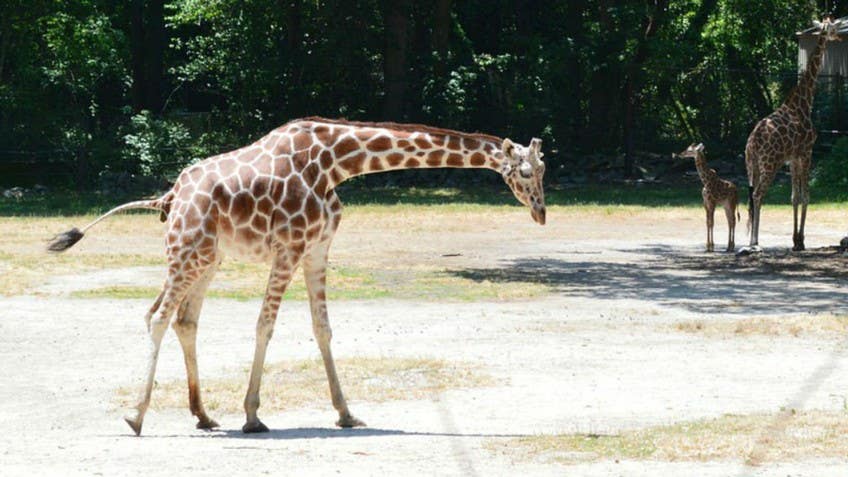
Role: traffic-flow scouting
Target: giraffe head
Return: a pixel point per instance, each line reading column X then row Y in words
column 829, row 28
column 693, row 151
column 523, row 170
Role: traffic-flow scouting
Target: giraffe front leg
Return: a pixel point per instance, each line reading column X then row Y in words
column 710, row 222
column 281, row 272
column 315, row 268
column 185, row 327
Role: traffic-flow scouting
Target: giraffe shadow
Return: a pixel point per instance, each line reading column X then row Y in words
column 303, row 433
column 778, row 281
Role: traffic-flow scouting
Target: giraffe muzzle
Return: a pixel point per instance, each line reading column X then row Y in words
column 538, row 215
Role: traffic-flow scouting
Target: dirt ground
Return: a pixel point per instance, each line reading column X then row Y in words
column 599, row 354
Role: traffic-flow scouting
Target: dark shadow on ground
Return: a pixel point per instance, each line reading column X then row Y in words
column 298, row 433
column 778, row 281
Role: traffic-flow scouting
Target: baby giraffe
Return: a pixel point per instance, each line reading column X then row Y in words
column 716, row 191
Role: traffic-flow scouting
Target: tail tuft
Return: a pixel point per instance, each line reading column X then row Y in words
column 64, row 240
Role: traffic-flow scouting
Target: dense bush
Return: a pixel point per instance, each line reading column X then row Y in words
column 157, row 145
column 831, row 170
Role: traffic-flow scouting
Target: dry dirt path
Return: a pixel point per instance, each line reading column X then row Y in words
column 602, row 353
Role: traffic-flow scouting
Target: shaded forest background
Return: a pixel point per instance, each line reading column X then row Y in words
column 92, row 88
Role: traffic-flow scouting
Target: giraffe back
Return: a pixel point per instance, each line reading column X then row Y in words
column 253, row 201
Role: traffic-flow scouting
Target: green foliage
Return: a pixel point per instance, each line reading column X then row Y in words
column 158, row 145
column 82, row 52
column 594, row 76
column 831, row 170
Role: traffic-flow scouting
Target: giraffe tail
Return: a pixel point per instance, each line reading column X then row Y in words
column 66, row 240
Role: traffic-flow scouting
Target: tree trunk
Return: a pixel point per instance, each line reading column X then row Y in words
column 157, row 41
column 650, row 27
column 602, row 105
column 396, row 24
column 5, row 42
column 291, row 60
column 137, row 54
column 441, row 34
column 148, row 40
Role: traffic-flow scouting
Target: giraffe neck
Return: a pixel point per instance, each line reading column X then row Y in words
column 364, row 148
column 801, row 98
column 704, row 172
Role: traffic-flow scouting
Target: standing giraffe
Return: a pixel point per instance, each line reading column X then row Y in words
column 787, row 135
column 275, row 201
column 716, row 191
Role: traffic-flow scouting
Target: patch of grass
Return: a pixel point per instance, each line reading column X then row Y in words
column 65, row 202
column 768, row 326
column 246, row 281
column 754, row 439
column 20, row 273
column 442, row 286
column 302, row 383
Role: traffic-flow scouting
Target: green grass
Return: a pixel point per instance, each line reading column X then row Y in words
column 753, row 438
column 246, row 282
column 24, row 265
column 62, row 203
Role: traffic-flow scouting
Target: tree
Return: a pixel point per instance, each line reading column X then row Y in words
column 148, row 41
column 396, row 24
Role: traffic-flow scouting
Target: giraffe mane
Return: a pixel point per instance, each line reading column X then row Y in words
column 406, row 127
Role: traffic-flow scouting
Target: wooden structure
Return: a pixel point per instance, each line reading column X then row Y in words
column 830, row 111
column 835, row 61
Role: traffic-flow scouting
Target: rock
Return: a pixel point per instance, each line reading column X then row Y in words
column 16, row 193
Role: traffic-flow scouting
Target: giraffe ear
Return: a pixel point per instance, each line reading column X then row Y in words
column 508, row 148
column 700, row 147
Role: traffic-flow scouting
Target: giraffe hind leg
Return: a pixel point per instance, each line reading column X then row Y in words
column 185, row 327
column 180, row 279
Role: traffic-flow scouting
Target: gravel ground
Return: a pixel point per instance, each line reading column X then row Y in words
column 600, row 354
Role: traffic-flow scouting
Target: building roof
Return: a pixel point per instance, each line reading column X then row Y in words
column 813, row 31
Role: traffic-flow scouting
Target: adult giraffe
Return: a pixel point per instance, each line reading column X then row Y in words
column 787, row 135
column 275, row 201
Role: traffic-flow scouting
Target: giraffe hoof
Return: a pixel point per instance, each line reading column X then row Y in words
column 349, row 421
column 254, row 427
column 207, row 424
column 134, row 424
column 798, row 248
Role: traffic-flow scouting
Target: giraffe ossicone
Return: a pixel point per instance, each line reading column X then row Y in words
column 275, row 201
column 716, row 191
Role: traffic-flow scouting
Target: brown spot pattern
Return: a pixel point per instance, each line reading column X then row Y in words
column 434, row 159
column 394, row 159
column 380, row 144
column 345, row 147
column 454, row 160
